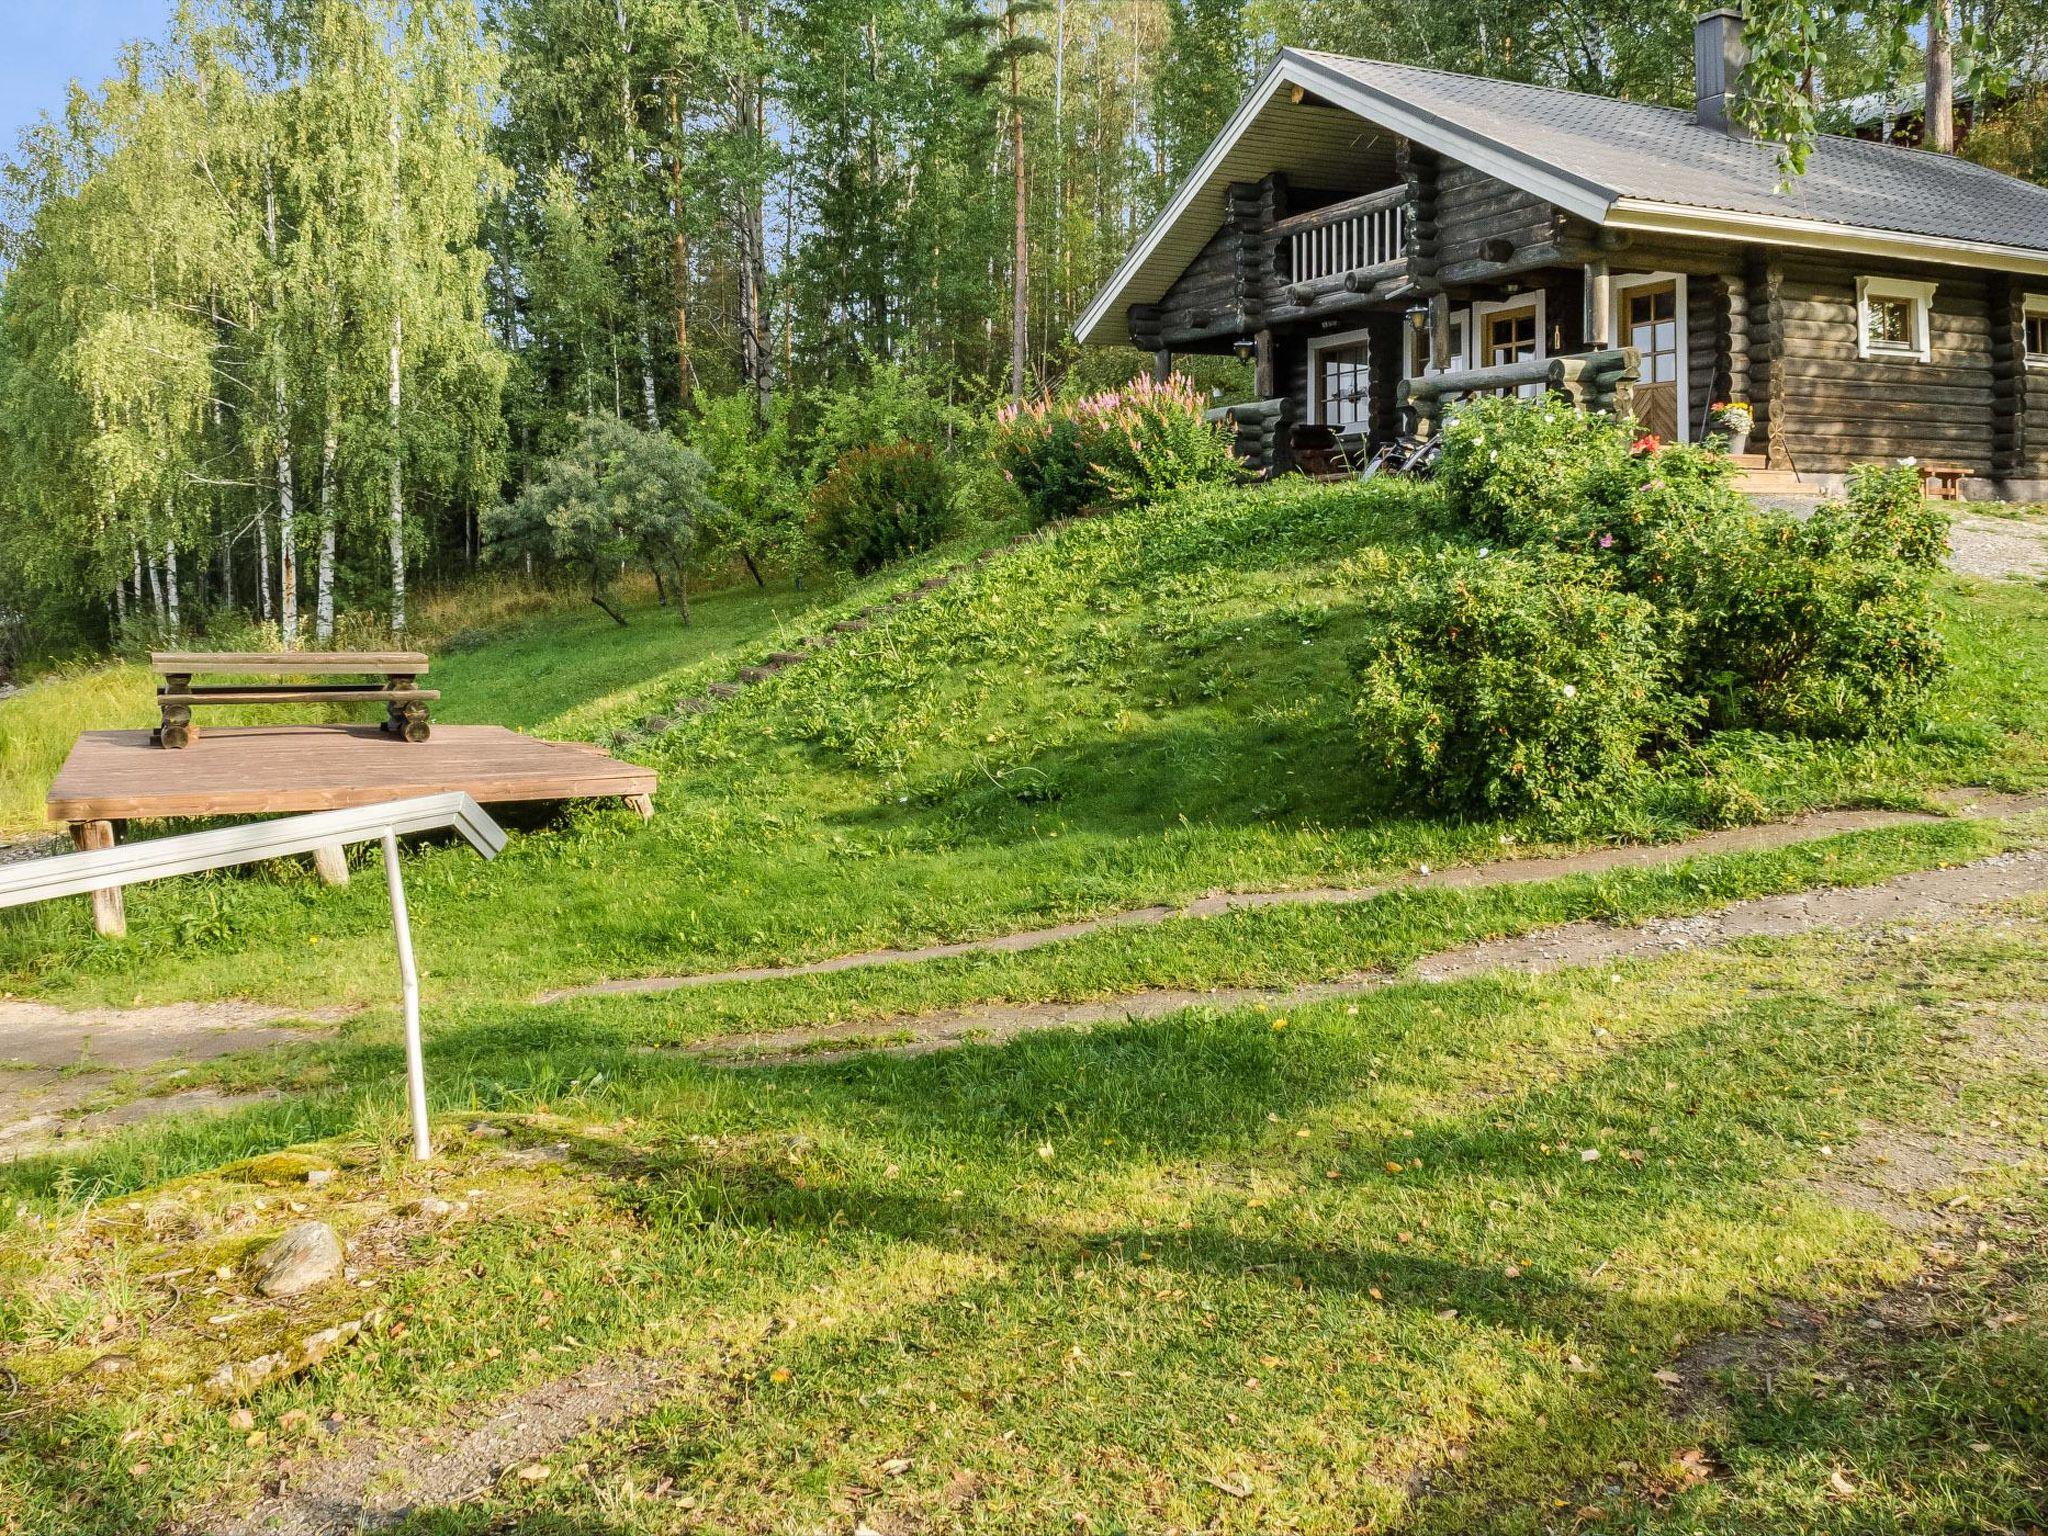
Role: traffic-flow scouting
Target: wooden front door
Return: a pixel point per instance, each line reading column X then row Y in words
column 1649, row 323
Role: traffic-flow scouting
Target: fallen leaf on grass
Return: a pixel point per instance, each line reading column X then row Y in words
column 1670, row 1381
column 1841, row 1486
column 1235, row 1490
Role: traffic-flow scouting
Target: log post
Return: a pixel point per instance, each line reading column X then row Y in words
column 1162, row 365
column 1439, row 332
column 1264, row 370
column 1599, row 305
column 330, row 863
column 109, row 915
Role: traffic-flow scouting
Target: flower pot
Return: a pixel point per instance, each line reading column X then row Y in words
column 1738, row 442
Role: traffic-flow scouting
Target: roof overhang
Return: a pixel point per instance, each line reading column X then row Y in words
column 1639, row 214
column 1257, row 140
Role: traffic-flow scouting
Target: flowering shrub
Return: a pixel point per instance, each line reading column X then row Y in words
column 1124, row 447
column 1511, row 681
column 882, row 503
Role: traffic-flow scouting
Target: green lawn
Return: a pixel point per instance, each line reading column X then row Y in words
column 1358, row 1269
column 1353, row 1268
column 1137, row 710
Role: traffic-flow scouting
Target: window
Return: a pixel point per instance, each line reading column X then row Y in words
column 1340, row 367
column 1510, row 331
column 2036, row 326
column 1892, row 318
column 1511, row 336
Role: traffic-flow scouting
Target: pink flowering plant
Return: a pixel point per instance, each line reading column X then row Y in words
column 1121, row 447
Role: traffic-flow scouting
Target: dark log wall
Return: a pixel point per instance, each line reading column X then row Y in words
column 1208, row 289
column 1832, row 409
column 1480, row 218
column 2019, row 394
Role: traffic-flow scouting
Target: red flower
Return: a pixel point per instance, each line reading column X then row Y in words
column 1647, row 443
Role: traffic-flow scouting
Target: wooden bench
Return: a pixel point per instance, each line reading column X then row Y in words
column 1942, row 482
column 405, row 703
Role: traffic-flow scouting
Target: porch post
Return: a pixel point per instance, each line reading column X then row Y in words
column 1440, row 330
column 1599, row 305
column 1162, row 365
column 1264, row 373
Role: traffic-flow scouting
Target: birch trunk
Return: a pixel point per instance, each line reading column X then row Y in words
column 263, row 564
column 396, row 510
column 323, row 581
column 287, row 520
column 171, row 585
column 287, row 529
column 679, row 243
column 156, row 586
column 1020, row 302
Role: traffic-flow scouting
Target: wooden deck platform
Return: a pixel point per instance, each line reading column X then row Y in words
column 276, row 769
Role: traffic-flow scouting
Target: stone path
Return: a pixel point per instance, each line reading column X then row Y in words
column 55, row 1060
column 1592, row 861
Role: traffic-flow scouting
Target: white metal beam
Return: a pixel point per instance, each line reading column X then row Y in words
column 74, row 874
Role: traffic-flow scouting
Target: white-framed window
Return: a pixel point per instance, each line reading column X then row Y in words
column 1340, row 381
column 1893, row 318
column 2034, row 326
column 1510, row 331
column 1418, row 363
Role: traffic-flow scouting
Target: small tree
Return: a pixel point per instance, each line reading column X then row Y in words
column 619, row 496
column 757, row 507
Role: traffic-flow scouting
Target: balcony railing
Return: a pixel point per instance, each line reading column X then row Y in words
column 1346, row 237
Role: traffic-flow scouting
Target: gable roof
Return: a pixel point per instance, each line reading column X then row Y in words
column 1615, row 163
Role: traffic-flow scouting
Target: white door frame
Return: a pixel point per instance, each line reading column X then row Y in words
column 1319, row 344
column 1683, row 383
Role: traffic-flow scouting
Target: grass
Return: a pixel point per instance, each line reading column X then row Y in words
column 1348, row 1269
column 1139, row 710
column 1359, row 1272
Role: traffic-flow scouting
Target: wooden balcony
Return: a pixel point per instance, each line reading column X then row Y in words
column 1361, row 233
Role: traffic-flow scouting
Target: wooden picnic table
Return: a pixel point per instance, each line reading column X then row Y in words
column 1942, row 482
column 405, row 702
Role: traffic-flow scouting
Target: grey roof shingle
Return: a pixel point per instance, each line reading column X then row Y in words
column 1662, row 154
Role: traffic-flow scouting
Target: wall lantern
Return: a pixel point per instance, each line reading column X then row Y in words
column 1244, row 347
column 1417, row 316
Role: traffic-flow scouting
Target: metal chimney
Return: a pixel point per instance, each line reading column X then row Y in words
column 1718, row 57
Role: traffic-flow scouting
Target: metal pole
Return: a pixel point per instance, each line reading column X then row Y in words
column 415, row 1060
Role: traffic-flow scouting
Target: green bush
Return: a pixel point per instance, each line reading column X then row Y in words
column 1534, row 471
column 1775, row 630
column 1505, row 682
column 881, row 504
column 1824, row 628
column 1050, row 470
column 1887, row 517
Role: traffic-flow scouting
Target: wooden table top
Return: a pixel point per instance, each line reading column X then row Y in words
column 277, row 769
column 306, row 663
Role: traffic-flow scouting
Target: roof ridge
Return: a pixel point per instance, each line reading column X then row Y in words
column 1465, row 74
column 1948, row 157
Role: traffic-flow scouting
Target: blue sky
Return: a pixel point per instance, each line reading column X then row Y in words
column 46, row 44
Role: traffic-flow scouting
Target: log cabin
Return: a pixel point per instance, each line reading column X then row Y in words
column 1371, row 235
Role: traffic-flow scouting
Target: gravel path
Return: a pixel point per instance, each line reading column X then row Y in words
column 1591, row 861
column 2000, row 548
